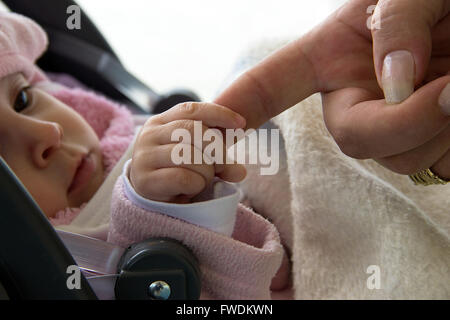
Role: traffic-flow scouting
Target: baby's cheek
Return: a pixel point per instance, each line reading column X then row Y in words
column 50, row 199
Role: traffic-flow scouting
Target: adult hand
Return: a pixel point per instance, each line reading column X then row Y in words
column 408, row 47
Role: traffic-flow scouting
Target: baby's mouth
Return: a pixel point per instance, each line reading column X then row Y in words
column 83, row 174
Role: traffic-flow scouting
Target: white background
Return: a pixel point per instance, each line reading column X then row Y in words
column 195, row 43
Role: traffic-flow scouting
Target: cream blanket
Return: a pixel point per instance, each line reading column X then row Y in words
column 355, row 229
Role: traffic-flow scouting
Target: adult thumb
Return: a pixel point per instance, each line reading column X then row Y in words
column 401, row 33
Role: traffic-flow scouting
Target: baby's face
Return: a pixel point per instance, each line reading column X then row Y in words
column 44, row 142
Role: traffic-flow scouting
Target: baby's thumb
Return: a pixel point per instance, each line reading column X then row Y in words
column 401, row 31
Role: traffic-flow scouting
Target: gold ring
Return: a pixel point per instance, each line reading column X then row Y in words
column 427, row 177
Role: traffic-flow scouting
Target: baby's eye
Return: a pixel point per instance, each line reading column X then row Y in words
column 22, row 100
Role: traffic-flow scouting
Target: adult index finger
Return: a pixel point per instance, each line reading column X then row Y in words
column 277, row 83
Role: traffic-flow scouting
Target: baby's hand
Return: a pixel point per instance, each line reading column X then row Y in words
column 153, row 173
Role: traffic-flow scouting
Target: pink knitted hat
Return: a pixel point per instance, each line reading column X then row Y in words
column 22, row 41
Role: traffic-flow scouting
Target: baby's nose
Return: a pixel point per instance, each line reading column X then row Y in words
column 47, row 141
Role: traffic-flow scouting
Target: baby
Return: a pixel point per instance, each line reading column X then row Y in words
column 94, row 168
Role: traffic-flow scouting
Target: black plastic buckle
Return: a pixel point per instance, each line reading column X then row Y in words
column 158, row 269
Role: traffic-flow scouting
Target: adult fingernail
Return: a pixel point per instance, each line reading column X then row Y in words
column 444, row 100
column 398, row 76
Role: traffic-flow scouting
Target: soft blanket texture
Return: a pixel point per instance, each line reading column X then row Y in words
column 347, row 219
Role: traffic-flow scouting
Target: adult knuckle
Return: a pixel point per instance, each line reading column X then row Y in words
column 188, row 107
column 146, row 132
column 153, row 120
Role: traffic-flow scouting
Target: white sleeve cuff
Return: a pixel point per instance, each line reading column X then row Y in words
column 216, row 211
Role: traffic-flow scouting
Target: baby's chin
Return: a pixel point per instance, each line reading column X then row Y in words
column 65, row 216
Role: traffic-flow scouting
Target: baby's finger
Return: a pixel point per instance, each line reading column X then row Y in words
column 209, row 140
column 166, row 156
column 186, row 131
column 165, row 184
column 212, row 115
column 231, row 172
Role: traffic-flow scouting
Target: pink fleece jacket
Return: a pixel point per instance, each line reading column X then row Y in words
column 237, row 267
